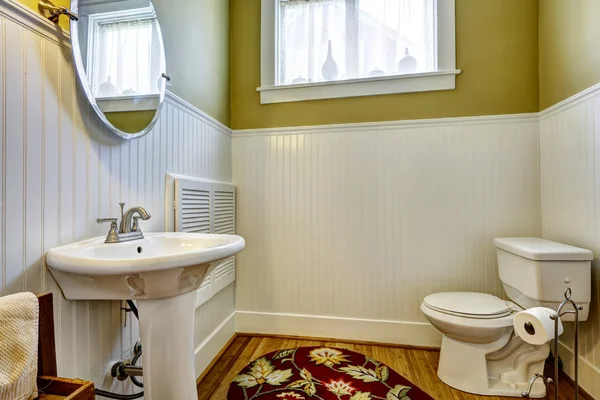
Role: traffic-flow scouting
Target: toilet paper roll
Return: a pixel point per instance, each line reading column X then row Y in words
column 535, row 326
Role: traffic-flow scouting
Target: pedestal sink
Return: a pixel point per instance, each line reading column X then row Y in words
column 162, row 272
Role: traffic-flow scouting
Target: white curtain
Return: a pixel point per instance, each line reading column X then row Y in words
column 368, row 37
column 127, row 59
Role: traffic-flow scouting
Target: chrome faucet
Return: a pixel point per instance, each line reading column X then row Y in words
column 129, row 229
column 127, row 216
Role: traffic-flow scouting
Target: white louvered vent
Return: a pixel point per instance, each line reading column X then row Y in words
column 206, row 207
column 223, row 223
column 223, row 274
column 224, row 206
column 194, row 201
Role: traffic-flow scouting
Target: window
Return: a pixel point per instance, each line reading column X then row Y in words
column 125, row 54
column 315, row 49
column 124, row 59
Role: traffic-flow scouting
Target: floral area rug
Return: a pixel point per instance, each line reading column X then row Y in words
column 321, row 373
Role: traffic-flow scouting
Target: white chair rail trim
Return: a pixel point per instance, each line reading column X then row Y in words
column 372, row 127
column 29, row 19
column 570, row 102
column 183, row 105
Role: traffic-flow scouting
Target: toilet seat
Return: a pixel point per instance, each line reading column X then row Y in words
column 466, row 326
column 469, row 305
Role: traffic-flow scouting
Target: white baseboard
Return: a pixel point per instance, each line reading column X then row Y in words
column 393, row 332
column 212, row 345
column 589, row 375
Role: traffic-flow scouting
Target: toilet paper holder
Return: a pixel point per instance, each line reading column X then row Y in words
column 537, row 376
column 559, row 313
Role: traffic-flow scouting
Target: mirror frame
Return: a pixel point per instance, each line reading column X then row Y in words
column 76, row 49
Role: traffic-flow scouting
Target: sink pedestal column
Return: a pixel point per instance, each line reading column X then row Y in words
column 167, row 331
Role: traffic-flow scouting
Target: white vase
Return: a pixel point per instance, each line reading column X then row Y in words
column 408, row 64
column 330, row 68
column 299, row 80
column 108, row 89
column 376, row 73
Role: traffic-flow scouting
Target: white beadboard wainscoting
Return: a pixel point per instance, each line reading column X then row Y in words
column 570, row 187
column 349, row 227
column 215, row 325
column 61, row 169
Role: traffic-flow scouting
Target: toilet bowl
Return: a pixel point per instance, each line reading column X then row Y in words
column 480, row 353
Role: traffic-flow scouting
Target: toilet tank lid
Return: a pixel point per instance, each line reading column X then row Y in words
column 542, row 250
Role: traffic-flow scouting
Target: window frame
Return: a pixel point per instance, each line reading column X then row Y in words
column 442, row 79
column 94, row 25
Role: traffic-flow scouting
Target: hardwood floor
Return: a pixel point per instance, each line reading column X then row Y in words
column 418, row 366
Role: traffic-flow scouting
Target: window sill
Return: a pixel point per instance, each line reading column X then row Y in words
column 128, row 103
column 424, row 82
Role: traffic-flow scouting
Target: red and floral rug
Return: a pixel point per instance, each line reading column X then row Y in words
column 321, row 373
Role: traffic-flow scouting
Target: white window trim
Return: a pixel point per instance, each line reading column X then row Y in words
column 442, row 79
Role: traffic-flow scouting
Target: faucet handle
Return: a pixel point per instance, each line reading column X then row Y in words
column 103, row 220
column 136, row 227
column 113, row 233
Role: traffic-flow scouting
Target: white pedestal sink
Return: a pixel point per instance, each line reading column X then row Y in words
column 162, row 272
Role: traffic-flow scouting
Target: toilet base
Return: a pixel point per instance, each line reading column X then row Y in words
column 501, row 368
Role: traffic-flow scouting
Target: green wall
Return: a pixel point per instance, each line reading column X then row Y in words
column 517, row 56
column 196, row 35
column 497, row 50
column 131, row 121
column 569, row 48
column 33, row 4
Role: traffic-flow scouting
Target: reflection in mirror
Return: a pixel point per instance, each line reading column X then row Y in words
column 119, row 54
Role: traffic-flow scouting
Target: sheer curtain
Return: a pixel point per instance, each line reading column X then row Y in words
column 367, row 38
column 127, row 59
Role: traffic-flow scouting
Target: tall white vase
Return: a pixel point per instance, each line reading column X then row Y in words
column 330, row 68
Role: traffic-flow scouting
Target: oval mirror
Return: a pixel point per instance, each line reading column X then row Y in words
column 120, row 60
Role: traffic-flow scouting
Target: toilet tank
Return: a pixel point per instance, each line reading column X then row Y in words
column 535, row 273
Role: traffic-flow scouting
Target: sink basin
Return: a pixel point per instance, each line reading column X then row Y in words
column 162, row 272
column 160, row 265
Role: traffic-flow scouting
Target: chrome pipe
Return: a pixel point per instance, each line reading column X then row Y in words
column 132, row 370
column 123, row 370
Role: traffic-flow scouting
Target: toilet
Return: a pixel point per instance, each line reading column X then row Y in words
column 480, row 353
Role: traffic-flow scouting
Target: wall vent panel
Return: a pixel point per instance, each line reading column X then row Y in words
column 224, row 209
column 193, row 206
column 206, row 207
